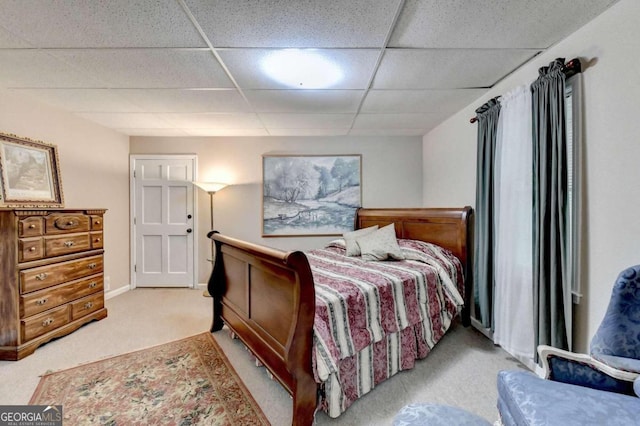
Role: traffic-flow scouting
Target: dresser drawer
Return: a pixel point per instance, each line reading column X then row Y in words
column 96, row 223
column 67, row 223
column 86, row 305
column 46, row 276
column 30, row 226
column 30, row 249
column 39, row 301
column 96, row 240
column 43, row 323
column 65, row 244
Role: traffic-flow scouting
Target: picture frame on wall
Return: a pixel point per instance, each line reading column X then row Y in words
column 29, row 173
column 310, row 195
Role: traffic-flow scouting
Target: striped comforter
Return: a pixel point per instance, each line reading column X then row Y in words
column 374, row 319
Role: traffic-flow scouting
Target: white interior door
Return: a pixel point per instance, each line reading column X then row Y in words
column 163, row 222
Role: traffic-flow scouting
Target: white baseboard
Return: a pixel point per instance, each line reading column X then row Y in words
column 117, row 292
column 478, row 326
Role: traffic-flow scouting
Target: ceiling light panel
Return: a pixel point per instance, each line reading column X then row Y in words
column 282, row 23
column 245, row 65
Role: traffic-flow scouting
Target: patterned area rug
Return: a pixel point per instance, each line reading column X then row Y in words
column 186, row 382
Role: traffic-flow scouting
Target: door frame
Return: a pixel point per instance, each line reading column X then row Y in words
column 132, row 211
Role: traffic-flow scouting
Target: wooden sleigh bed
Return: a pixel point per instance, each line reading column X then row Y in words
column 267, row 297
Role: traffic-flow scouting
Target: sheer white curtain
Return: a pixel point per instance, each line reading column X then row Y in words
column 513, row 293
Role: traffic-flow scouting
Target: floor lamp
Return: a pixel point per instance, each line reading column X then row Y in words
column 211, row 188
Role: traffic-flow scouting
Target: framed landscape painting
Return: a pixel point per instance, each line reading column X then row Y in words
column 29, row 173
column 310, row 194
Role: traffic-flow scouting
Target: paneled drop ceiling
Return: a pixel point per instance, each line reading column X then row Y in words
column 192, row 67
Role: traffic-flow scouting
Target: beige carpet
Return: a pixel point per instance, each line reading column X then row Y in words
column 460, row 371
column 185, row 382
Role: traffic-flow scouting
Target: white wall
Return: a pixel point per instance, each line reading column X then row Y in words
column 609, row 46
column 94, row 168
column 391, row 177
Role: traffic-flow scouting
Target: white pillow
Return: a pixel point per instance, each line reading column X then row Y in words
column 350, row 239
column 380, row 245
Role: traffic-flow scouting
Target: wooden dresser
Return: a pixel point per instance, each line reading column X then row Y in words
column 51, row 275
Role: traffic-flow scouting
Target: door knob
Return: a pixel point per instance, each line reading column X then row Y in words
column 189, row 230
column 189, row 216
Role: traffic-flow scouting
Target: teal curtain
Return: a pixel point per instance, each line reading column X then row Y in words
column 551, row 291
column 487, row 116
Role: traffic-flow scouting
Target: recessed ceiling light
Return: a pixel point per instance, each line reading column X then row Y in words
column 301, row 69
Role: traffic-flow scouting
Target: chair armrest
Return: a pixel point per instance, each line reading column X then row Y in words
column 583, row 370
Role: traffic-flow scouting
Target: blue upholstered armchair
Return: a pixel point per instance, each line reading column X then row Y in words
column 596, row 389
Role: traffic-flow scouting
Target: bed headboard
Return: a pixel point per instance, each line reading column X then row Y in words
column 451, row 228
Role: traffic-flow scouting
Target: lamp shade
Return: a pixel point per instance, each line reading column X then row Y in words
column 210, row 187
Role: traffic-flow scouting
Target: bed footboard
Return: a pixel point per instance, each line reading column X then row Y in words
column 266, row 296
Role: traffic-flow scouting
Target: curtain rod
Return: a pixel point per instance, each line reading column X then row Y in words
column 570, row 69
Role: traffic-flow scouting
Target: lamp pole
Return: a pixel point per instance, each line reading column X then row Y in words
column 213, row 251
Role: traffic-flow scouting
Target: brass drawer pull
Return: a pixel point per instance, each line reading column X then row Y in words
column 68, row 243
column 93, row 284
column 41, row 276
column 41, row 301
column 88, row 305
column 71, row 223
column 47, row 322
column 32, row 249
column 32, row 226
column 97, row 240
column 93, row 265
column 97, row 222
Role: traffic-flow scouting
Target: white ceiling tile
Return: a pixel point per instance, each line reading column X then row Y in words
column 189, row 100
column 312, row 101
column 309, row 132
column 303, row 121
column 227, row 132
column 491, row 24
column 10, row 40
column 390, row 132
column 36, row 68
column 397, row 121
column 282, row 23
column 153, row 132
column 380, row 101
column 447, row 68
column 213, row 121
column 113, row 23
column 82, row 100
column 245, row 66
column 149, row 68
column 126, row 120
